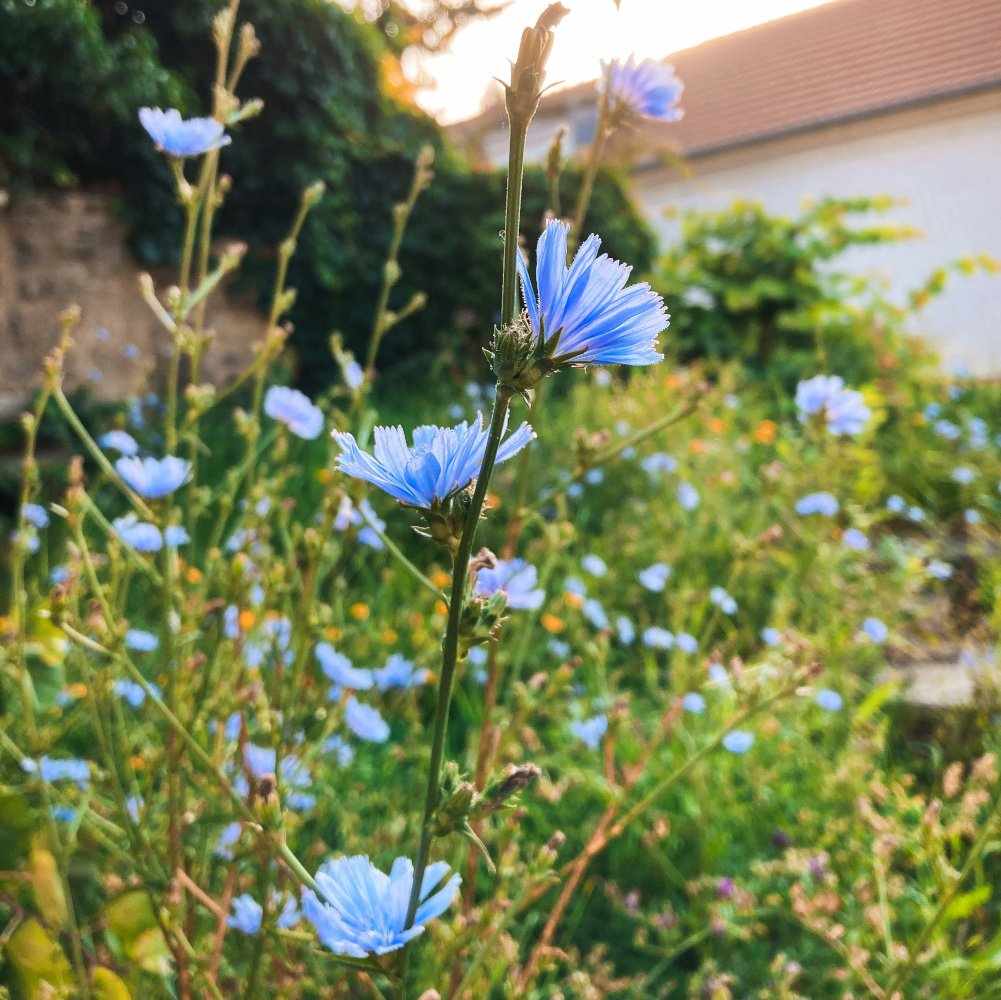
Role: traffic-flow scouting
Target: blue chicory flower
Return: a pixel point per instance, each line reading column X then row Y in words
column 595, row 613
column 693, row 702
column 647, row 89
column 441, row 462
column 182, row 137
column 771, row 636
column 154, row 478
column 399, row 672
column 844, row 409
column 817, row 503
column 594, row 565
column 876, row 630
column 722, row 599
column 35, row 514
column 176, row 534
column 365, row 721
column 586, row 309
column 738, row 741
column 655, row 577
column 828, row 700
column 139, row 535
column 939, row 570
column 227, row 838
column 688, row 497
column 855, row 540
column 246, row 916
column 131, row 693
column 590, row 731
column 120, row 441
column 963, row 475
column 53, row 769
column 341, row 749
column 338, row 668
column 294, row 409
column 360, row 911
column 656, row 637
column 626, row 630
column 687, row 643
column 516, row 579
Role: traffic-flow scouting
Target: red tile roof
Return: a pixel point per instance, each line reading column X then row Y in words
column 843, row 60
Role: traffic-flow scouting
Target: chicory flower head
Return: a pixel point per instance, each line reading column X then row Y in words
column 182, row 137
column 246, row 916
column 365, row 721
column 340, row 670
column 361, row 911
column 139, row 535
column 120, row 441
column 294, row 409
column 441, row 461
column 154, row 478
column 648, row 89
column 817, row 503
column 843, row 409
column 590, row 731
column 516, row 579
column 399, row 672
column 583, row 314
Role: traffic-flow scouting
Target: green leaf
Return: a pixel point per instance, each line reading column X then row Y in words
column 38, row 963
column 962, row 906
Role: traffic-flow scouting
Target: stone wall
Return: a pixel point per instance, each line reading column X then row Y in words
column 70, row 248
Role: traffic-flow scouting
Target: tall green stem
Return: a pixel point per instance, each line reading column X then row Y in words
column 602, row 131
column 512, row 221
column 450, row 646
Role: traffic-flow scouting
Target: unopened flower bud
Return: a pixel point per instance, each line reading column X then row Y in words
column 529, row 71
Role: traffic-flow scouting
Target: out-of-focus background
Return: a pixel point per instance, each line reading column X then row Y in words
column 785, row 101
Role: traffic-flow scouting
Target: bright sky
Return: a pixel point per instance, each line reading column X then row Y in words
column 592, row 31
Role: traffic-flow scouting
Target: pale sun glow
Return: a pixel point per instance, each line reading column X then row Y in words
column 593, row 31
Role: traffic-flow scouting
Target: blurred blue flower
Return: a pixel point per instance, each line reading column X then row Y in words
column 231, row 622
column 154, row 478
column 365, row 721
column 399, row 672
column 594, row 565
column 441, row 462
column 656, row 637
column 338, row 668
column 687, row 643
column 227, row 838
column 590, row 731
column 817, row 503
column 585, row 310
column 626, row 630
column 895, row 504
column 595, row 613
column 972, row 516
column 516, row 579
column 843, row 409
column 360, row 910
column 35, row 514
column 828, row 700
column 559, row 648
column 738, row 741
column 722, row 599
column 290, row 914
column 939, row 570
column 655, row 577
column 179, row 137
column 855, row 540
column 354, row 374
column 948, row 430
column 574, row 585
column 341, row 749
column 593, row 477
column 133, row 694
column 963, row 475
column 694, row 702
column 52, row 769
column 771, row 636
column 176, row 534
column 294, row 409
column 120, row 441
column 139, row 535
column 688, row 496
column 648, row 89
column 875, row 629
column 246, row 916
column 657, row 463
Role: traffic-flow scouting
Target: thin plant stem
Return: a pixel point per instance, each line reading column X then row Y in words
column 603, row 131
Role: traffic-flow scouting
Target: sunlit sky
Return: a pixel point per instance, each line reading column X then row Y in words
column 593, row 30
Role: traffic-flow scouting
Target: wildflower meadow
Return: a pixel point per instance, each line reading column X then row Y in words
column 591, row 673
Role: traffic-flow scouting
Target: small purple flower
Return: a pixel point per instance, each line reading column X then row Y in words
column 154, row 478
column 294, row 409
column 516, row 579
column 179, row 137
column 590, row 731
column 725, row 888
column 648, row 89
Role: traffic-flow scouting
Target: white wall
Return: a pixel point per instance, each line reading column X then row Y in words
column 944, row 159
